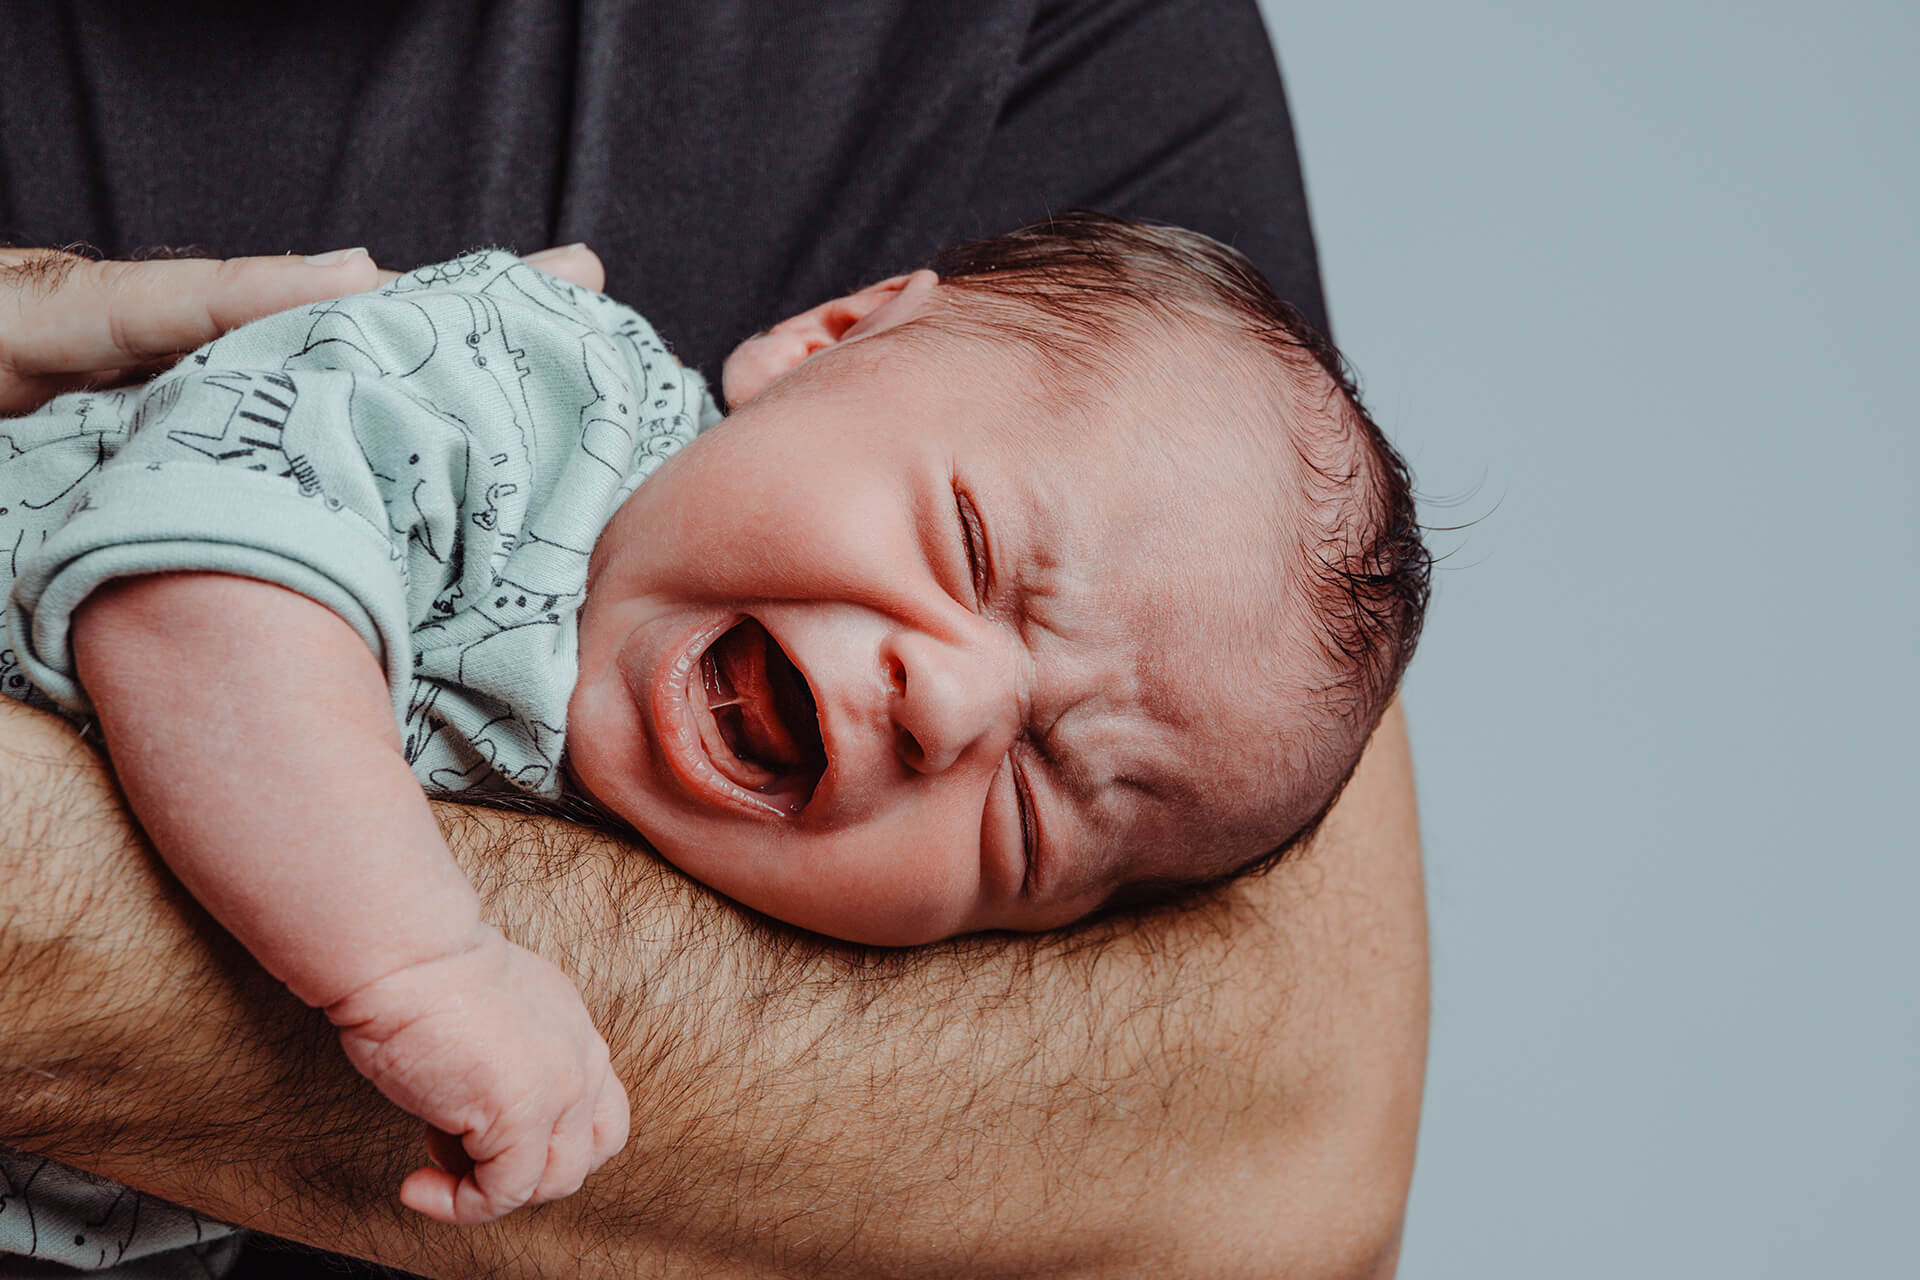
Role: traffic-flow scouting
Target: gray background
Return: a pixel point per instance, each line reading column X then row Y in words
column 1634, row 285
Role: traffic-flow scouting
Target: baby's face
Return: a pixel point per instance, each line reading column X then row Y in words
column 888, row 657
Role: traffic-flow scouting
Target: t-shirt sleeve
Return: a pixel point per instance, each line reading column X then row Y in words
column 1171, row 111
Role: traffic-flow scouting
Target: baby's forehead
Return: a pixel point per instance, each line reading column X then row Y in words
column 1152, row 496
column 1199, row 421
column 1159, row 445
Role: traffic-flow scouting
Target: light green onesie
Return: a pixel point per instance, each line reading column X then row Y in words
column 433, row 461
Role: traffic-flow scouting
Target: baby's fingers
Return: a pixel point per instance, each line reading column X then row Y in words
column 491, row 1189
column 611, row 1117
column 430, row 1192
column 445, row 1151
column 569, row 1155
column 588, row 1132
column 502, row 1184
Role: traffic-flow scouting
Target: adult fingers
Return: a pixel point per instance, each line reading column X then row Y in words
column 62, row 314
column 574, row 263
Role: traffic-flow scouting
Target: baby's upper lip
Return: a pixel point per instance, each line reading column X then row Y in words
column 847, row 739
column 842, row 741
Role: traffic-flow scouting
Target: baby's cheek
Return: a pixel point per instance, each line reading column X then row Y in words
column 602, row 741
column 916, row 889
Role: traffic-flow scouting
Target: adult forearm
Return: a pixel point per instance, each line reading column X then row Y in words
column 1234, row 1089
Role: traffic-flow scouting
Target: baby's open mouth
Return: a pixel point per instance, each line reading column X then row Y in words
column 763, row 728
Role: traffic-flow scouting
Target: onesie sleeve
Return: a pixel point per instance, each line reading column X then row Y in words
column 248, row 471
column 402, row 457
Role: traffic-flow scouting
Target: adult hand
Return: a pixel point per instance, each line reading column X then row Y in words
column 68, row 322
column 574, row 263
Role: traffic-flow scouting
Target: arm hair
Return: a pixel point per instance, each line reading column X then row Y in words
column 1231, row 1088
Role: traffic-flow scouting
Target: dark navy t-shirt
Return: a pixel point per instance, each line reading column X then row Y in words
column 732, row 161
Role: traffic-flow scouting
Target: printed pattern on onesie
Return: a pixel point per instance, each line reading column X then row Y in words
column 58, row 1215
column 433, row 461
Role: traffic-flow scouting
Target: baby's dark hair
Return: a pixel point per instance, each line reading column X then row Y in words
column 1368, row 571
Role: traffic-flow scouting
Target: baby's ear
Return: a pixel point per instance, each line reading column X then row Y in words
column 765, row 358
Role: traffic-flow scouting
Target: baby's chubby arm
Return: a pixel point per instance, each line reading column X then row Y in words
column 254, row 736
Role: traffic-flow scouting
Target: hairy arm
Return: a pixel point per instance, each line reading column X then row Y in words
column 1229, row 1090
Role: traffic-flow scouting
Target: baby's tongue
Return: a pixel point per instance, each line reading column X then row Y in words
column 744, row 661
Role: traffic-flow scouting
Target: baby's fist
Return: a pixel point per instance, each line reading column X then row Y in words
column 492, row 1046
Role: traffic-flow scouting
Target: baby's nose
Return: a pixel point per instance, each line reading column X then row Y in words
column 949, row 701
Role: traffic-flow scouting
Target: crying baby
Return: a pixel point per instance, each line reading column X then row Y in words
column 1067, row 572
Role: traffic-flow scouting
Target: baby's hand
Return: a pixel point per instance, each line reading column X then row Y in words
column 493, row 1046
